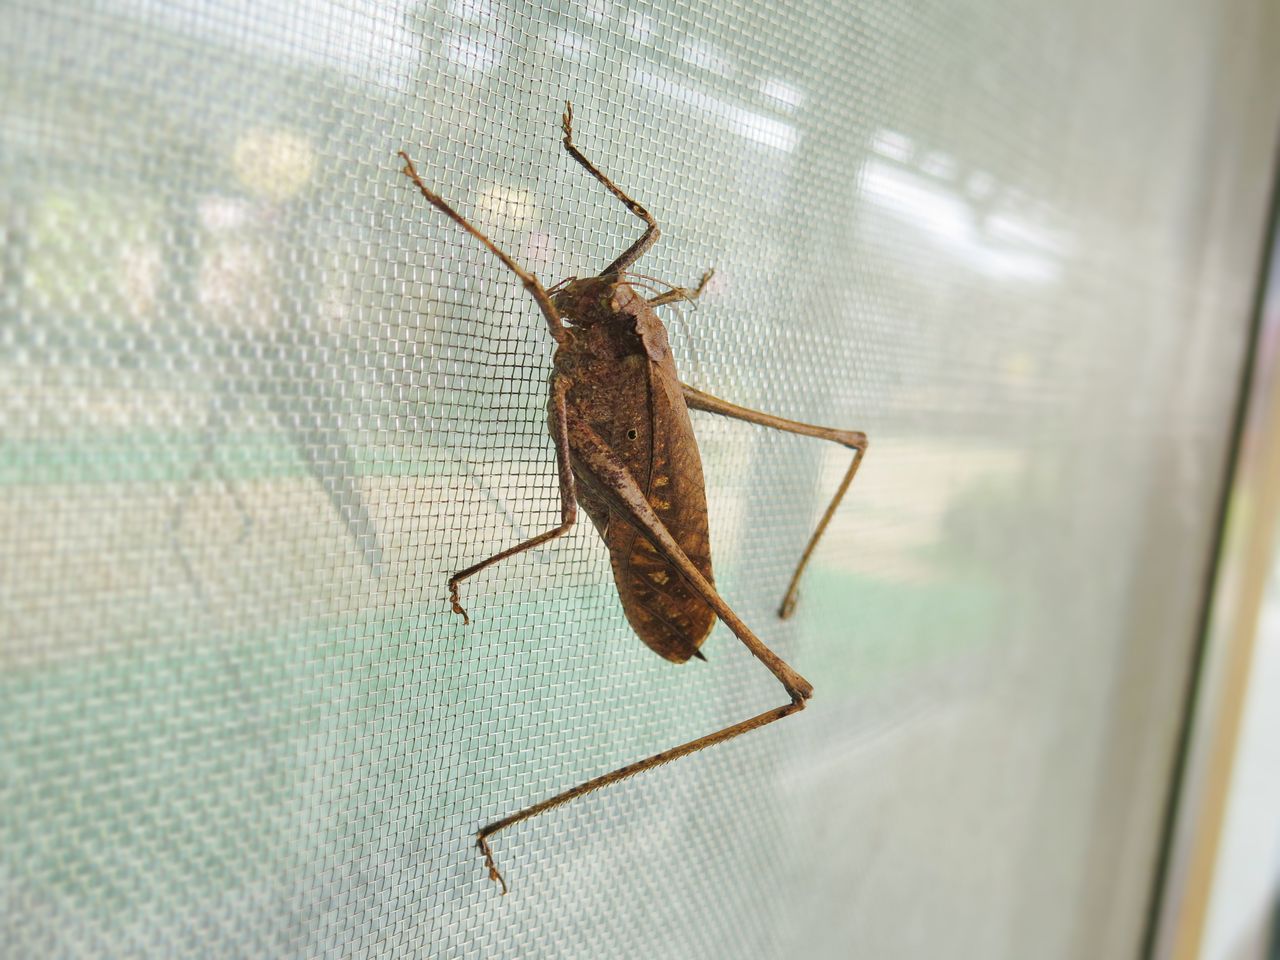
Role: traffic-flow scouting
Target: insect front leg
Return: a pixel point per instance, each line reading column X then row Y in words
column 568, row 496
column 681, row 293
column 853, row 439
column 530, row 282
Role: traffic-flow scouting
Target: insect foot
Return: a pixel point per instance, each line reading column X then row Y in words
column 788, row 605
column 488, row 859
column 456, row 603
column 566, row 122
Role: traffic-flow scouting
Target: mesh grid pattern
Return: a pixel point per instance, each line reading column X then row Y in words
column 259, row 401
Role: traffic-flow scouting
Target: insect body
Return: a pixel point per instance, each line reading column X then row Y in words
column 623, row 386
column 619, row 418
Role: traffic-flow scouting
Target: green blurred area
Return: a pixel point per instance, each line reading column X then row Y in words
column 213, row 759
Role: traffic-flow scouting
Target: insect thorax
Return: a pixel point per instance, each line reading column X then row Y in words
column 589, row 301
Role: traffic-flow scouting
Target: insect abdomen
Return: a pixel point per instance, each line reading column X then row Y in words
column 662, row 607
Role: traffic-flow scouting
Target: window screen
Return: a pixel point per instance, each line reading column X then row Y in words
column 259, row 400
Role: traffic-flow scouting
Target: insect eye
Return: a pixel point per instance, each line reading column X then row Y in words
column 632, row 434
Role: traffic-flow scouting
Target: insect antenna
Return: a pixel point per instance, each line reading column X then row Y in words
column 644, row 286
column 645, row 276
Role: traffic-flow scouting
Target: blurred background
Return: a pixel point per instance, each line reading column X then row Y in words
column 258, row 400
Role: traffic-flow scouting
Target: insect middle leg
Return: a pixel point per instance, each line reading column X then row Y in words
column 568, row 497
column 651, row 234
column 853, row 439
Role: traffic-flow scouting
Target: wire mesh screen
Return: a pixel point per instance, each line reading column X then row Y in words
column 260, row 400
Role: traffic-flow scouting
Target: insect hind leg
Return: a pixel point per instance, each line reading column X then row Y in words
column 622, row 773
column 624, row 497
column 568, row 499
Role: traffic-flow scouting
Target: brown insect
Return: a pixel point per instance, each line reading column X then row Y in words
column 619, row 418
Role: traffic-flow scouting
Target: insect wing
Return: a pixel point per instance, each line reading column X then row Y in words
column 661, row 606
